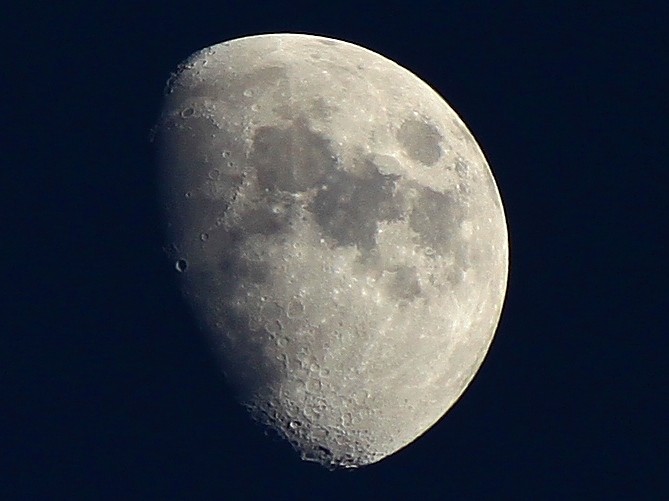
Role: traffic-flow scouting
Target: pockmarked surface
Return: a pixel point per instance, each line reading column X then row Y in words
column 339, row 235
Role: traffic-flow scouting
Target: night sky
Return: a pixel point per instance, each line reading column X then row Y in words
column 112, row 395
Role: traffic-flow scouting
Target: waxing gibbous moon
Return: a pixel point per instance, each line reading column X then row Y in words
column 338, row 234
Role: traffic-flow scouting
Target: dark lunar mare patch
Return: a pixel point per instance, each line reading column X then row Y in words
column 436, row 217
column 420, row 141
column 290, row 159
column 348, row 206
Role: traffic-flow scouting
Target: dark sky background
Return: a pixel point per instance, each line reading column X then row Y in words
column 112, row 395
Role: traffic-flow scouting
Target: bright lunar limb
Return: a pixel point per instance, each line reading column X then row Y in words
column 338, row 234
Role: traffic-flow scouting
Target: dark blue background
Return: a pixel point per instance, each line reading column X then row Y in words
column 111, row 394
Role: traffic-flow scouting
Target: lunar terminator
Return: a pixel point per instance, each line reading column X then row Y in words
column 338, row 234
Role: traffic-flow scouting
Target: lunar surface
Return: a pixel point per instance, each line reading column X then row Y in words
column 338, row 234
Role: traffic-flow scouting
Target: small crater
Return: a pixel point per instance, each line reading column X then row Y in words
column 314, row 385
column 188, row 112
column 273, row 328
column 254, row 323
column 181, row 265
column 204, row 237
column 461, row 167
column 294, row 309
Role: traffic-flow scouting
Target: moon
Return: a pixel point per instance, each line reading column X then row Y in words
column 338, row 234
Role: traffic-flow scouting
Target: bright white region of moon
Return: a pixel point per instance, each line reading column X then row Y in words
column 339, row 236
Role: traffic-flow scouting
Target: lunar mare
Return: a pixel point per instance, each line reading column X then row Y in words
column 339, row 235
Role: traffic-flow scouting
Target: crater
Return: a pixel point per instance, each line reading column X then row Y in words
column 461, row 167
